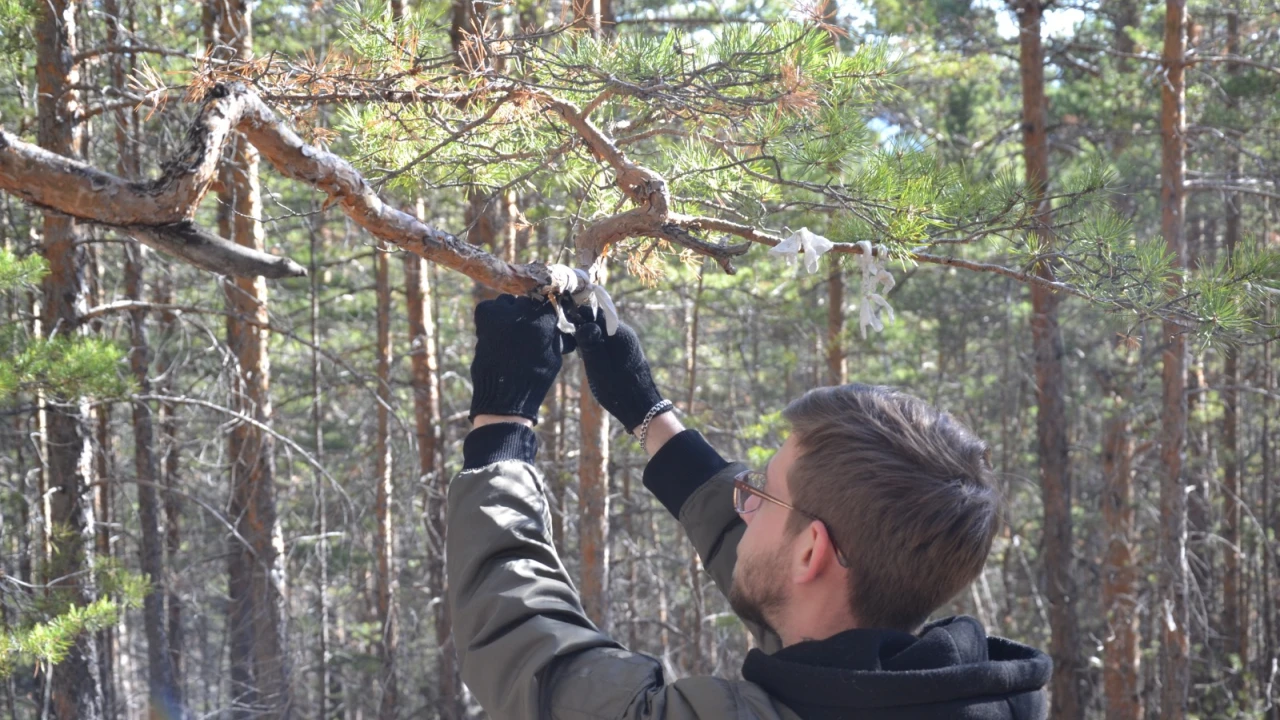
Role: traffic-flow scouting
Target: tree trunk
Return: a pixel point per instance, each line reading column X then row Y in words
column 165, row 700
column 385, row 552
column 692, row 312
column 326, row 679
column 102, row 512
column 164, row 695
column 1233, row 627
column 1266, row 661
column 837, row 362
column 1051, row 418
column 75, row 686
column 699, row 663
column 593, row 486
column 594, row 16
column 171, row 463
column 259, row 674
column 554, row 439
column 424, row 358
column 1173, row 609
column 593, row 506
column 1119, row 576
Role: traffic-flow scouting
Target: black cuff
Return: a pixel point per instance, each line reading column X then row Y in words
column 681, row 467
column 499, row 441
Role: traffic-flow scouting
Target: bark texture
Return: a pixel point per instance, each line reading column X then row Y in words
column 1119, row 576
column 1051, row 416
column 593, row 489
column 424, row 361
column 165, row 699
column 385, row 550
column 1236, row 640
column 1173, row 611
column 75, row 690
column 259, row 673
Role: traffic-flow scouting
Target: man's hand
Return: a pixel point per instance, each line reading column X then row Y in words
column 517, row 357
column 617, row 370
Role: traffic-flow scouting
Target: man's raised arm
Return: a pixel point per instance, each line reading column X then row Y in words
column 684, row 472
column 525, row 646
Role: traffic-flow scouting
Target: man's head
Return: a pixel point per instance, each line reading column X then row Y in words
column 882, row 482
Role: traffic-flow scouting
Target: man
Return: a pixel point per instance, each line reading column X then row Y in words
column 874, row 513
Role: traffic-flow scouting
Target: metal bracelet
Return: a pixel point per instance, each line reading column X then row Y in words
column 654, row 411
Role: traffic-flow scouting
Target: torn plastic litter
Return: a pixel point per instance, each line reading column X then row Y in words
column 874, row 274
column 803, row 240
column 577, row 283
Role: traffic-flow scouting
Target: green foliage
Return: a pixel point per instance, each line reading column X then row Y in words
column 44, row 635
column 1229, row 295
column 67, row 366
column 16, row 20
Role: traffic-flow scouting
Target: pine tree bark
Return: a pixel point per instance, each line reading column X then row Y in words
column 76, row 689
column 385, row 580
column 595, row 16
column 327, row 686
column 259, row 671
column 1173, row 609
column 1051, row 418
column 693, row 311
column 1268, row 513
column 424, row 360
column 1233, row 628
column 170, row 467
column 1119, row 576
column 593, row 506
column 164, row 695
column 165, row 700
column 593, row 488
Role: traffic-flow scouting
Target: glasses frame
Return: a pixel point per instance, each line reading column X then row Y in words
column 742, row 488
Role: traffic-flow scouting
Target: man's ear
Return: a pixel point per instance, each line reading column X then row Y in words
column 814, row 553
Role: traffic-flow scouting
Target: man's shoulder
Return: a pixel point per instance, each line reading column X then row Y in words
column 597, row 682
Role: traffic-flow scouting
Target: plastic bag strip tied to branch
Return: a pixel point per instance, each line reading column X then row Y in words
column 577, row 284
column 874, row 274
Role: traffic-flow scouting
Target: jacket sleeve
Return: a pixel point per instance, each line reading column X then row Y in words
column 696, row 485
column 526, row 649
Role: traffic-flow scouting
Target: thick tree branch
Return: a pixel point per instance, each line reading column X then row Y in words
column 80, row 190
column 347, row 188
column 209, row 252
column 156, row 212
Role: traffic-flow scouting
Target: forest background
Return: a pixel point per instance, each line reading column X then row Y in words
column 221, row 494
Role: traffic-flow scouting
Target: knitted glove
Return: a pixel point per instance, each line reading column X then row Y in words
column 517, row 356
column 616, row 370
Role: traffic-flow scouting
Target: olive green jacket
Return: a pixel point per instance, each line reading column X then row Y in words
column 525, row 646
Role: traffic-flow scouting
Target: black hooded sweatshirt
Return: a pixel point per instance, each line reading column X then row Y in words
column 950, row 670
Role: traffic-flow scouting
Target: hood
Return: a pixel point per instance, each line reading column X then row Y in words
column 952, row 669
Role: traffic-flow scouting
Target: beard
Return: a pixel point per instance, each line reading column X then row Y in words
column 759, row 589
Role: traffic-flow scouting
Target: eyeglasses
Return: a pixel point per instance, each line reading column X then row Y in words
column 749, row 494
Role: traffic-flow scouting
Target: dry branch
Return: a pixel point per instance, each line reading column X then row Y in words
column 210, row 252
column 159, row 212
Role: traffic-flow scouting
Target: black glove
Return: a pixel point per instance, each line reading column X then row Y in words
column 616, row 370
column 517, row 356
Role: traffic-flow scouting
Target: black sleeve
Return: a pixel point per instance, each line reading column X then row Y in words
column 682, row 466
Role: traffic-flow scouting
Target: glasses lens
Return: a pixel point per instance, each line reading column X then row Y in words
column 744, row 501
